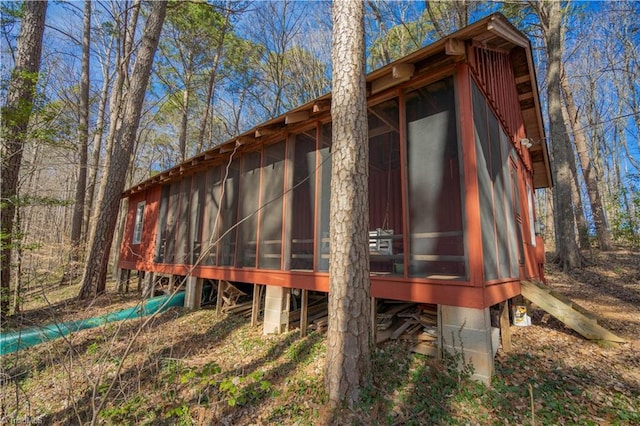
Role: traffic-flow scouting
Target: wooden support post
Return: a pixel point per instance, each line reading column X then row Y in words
column 148, row 285
column 126, row 281
column 505, row 326
column 219, row 298
column 122, row 273
column 374, row 320
column 286, row 309
column 255, row 307
column 193, row 292
column 171, row 285
column 304, row 312
column 140, row 277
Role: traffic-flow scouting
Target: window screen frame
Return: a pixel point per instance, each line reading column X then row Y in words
column 138, row 223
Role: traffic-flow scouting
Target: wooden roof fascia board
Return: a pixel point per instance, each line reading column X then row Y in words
column 296, row 116
column 538, row 113
column 264, row 131
column 500, row 26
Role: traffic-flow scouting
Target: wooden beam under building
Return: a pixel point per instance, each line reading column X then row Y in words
column 454, row 47
column 321, row 106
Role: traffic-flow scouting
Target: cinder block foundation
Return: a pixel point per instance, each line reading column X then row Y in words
column 468, row 332
column 276, row 312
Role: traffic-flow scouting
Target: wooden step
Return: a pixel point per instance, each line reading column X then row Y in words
column 565, row 310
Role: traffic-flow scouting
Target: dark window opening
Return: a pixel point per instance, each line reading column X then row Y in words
column 386, row 246
column 303, row 153
column 436, row 240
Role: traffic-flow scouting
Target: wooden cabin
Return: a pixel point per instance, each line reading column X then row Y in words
column 457, row 147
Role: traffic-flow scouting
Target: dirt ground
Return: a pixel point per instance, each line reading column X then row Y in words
column 608, row 287
column 190, row 366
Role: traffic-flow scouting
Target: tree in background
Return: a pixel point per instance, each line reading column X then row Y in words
column 349, row 335
column 83, row 149
column 189, row 53
column 567, row 253
column 15, row 120
column 408, row 33
column 124, row 128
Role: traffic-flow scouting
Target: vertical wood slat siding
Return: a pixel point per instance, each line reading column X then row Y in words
column 494, row 72
column 141, row 253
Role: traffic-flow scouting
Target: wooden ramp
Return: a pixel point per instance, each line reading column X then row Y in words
column 573, row 315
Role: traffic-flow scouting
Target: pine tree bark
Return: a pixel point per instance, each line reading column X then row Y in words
column 567, row 253
column 348, row 337
column 590, row 175
column 15, row 120
column 112, row 184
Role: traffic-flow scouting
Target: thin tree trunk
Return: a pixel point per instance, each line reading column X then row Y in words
column 576, row 198
column 17, row 291
column 211, row 88
column 349, row 337
column 15, row 120
column 83, row 142
column 97, row 147
column 590, row 178
column 112, row 185
column 185, row 121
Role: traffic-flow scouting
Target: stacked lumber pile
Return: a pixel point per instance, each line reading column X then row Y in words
column 317, row 314
column 415, row 323
column 243, row 309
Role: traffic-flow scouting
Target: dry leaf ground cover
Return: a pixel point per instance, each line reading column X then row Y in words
column 191, row 367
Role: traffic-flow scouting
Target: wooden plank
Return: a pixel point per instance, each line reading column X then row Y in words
column 296, row 117
column 255, row 307
column 425, row 349
column 566, row 313
column 304, row 312
column 395, row 309
column 373, row 318
column 400, row 330
column 505, row 327
column 321, row 106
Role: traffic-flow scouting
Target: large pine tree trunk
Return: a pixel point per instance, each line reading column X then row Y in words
column 112, row 184
column 15, row 120
column 348, row 338
column 567, row 253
